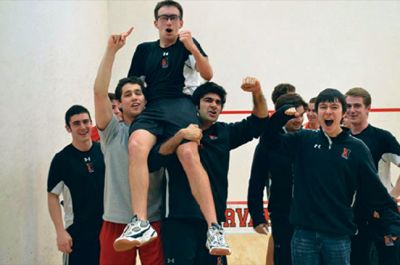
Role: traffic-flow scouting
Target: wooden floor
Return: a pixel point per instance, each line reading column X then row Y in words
column 247, row 249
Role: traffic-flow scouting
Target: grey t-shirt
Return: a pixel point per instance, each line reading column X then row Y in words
column 117, row 202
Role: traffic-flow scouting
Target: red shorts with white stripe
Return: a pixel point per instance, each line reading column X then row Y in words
column 150, row 254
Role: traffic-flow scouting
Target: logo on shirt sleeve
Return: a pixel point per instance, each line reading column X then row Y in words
column 346, row 153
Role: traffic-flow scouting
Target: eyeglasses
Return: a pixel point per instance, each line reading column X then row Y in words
column 165, row 18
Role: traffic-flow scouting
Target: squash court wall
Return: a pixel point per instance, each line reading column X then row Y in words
column 50, row 51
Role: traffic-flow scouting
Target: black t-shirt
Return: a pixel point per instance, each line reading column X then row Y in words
column 80, row 177
column 165, row 70
column 379, row 142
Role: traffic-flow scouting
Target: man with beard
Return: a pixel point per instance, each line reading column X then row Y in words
column 184, row 226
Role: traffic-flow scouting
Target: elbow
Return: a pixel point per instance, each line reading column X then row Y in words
column 207, row 76
column 261, row 114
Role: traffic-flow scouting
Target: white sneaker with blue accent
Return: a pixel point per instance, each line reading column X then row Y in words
column 216, row 243
column 136, row 234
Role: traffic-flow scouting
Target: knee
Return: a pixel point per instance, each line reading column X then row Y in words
column 135, row 147
column 138, row 149
column 188, row 153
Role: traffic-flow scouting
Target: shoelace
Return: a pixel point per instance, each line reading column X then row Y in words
column 131, row 228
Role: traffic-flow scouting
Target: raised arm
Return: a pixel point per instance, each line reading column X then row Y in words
column 253, row 126
column 251, row 84
column 102, row 103
column 64, row 240
column 202, row 64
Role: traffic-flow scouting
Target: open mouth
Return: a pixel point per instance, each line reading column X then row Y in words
column 168, row 30
column 212, row 113
column 328, row 122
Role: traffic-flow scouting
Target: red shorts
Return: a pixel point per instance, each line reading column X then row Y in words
column 150, row 254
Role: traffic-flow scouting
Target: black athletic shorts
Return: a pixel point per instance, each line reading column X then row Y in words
column 184, row 243
column 164, row 117
column 85, row 244
column 84, row 251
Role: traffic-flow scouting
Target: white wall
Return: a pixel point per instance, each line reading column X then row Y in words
column 50, row 52
column 49, row 55
column 313, row 44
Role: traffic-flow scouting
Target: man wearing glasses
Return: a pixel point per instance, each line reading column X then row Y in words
column 170, row 67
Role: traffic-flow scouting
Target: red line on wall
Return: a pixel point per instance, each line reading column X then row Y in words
column 236, row 112
column 386, row 110
column 271, row 111
column 245, row 202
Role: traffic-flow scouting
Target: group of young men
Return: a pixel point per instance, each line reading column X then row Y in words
column 173, row 134
column 294, row 201
column 157, row 184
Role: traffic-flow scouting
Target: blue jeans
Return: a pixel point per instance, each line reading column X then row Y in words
column 314, row 248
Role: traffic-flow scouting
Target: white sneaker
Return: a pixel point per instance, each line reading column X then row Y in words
column 216, row 243
column 136, row 234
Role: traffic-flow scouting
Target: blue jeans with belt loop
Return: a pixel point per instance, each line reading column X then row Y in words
column 315, row 248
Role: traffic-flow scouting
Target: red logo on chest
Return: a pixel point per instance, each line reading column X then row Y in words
column 346, row 153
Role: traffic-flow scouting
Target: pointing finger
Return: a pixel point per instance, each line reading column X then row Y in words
column 126, row 34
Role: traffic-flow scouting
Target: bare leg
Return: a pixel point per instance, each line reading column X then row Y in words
column 139, row 146
column 198, row 180
column 138, row 232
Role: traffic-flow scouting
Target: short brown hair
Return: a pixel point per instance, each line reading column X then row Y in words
column 291, row 99
column 360, row 92
column 282, row 89
column 167, row 3
column 312, row 100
